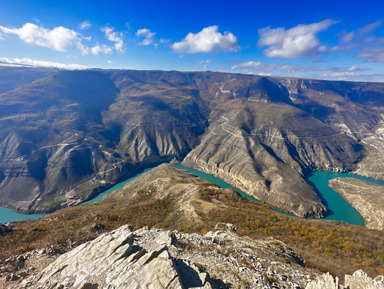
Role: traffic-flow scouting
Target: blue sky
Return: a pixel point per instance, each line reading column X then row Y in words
column 313, row 39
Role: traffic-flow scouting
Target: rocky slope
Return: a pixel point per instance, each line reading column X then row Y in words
column 153, row 258
column 366, row 197
column 372, row 165
column 60, row 143
column 70, row 135
column 170, row 198
column 163, row 259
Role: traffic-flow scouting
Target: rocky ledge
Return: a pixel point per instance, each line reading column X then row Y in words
column 154, row 258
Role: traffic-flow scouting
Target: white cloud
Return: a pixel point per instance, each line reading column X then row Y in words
column 363, row 41
column 58, row 38
column 372, row 54
column 207, row 40
column 248, row 64
column 83, row 49
column 317, row 72
column 116, row 37
column 99, row 49
column 347, row 37
column 147, row 34
column 85, row 25
column 297, row 41
column 26, row 62
column 351, row 76
column 360, row 33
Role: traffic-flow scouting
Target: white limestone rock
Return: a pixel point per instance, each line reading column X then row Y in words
column 360, row 280
column 112, row 261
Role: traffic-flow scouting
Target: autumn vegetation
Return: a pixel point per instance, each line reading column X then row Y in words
column 325, row 245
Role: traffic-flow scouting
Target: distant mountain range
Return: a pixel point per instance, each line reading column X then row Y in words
column 67, row 135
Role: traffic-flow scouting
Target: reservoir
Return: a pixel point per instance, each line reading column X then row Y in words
column 7, row 215
column 340, row 209
column 114, row 188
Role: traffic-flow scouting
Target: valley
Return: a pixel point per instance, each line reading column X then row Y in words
column 172, row 199
column 73, row 134
column 191, row 145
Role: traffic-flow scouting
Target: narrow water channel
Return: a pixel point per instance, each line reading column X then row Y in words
column 7, row 215
column 341, row 210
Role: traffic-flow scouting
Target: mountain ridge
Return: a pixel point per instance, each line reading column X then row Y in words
column 75, row 133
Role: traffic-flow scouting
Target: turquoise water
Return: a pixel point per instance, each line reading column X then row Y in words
column 217, row 181
column 114, row 188
column 7, row 215
column 341, row 210
column 224, row 185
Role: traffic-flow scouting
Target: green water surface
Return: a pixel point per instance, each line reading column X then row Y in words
column 7, row 215
column 340, row 209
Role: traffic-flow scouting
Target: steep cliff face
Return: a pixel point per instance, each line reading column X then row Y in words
column 75, row 133
column 259, row 141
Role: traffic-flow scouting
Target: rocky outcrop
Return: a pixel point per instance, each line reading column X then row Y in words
column 358, row 280
column 152, row 258
column 114, row 260
column 325, row 281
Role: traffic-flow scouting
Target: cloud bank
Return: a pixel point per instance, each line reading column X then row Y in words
column 58, row 38
column 297, row 41
column 207, row 40
column 26, row 62
column 350, row 73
